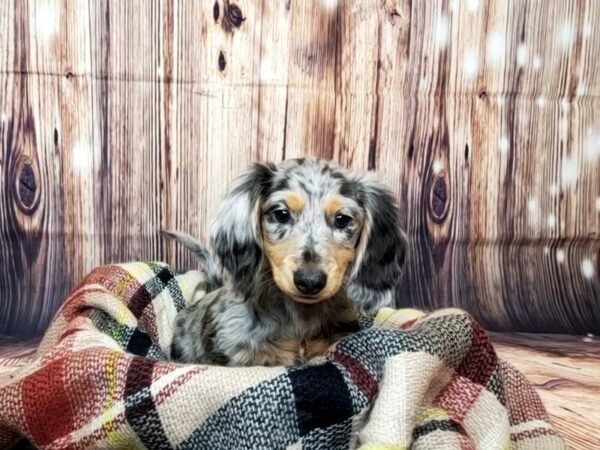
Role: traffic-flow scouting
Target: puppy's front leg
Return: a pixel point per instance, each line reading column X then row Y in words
column 234, row 333
column 280, row 353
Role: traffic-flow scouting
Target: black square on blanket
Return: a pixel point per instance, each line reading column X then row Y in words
column 321, row 395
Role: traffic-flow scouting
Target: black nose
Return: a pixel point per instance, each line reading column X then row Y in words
column 310, row 281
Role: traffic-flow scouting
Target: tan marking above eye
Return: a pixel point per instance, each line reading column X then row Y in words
column 332, row 205
column 294, row 201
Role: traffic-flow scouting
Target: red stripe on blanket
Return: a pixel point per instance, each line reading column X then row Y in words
column 524, row 404
column 481, row 361
column 46, row 404
column 458, row 396
column 360, row 376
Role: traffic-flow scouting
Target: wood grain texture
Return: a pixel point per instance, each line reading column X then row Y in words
column 564, row 371
column 121, row 118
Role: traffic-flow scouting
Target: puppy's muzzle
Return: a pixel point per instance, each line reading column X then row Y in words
column 310, row 280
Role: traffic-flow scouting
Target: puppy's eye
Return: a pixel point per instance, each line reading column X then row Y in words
column 341, row 221
column 282, row 215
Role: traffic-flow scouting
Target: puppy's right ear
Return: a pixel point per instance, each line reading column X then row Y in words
column 235, row 235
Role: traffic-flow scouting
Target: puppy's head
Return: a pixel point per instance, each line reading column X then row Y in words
column 317, row 228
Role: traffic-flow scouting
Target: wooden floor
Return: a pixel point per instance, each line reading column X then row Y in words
column 564, row 369
column 566, row 372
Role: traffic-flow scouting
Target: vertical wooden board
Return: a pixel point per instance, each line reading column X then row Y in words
column 230, row 55
column 314, row 53
column 125, row 36
column 7, row 36
column 357, row 91
column 79, row 148
column 271, row 79
column 181, row 162
column 31, row 41
column 134, row 168
column 395, row 110
column 32, row 277
column 184, row 175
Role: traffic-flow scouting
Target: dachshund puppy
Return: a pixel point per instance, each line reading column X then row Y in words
column 296, row 249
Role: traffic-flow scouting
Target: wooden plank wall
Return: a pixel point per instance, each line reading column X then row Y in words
column 123, row 117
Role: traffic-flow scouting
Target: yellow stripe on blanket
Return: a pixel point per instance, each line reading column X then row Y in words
column 382, row 447
column 432, row 414
column 111, row 384
column 397, row 318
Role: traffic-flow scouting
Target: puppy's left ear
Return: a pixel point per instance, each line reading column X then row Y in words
column 382, row 249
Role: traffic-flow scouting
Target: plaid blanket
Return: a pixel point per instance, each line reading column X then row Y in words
column 100, row 379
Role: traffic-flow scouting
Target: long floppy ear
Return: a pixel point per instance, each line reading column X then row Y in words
column 382, row 249
column 235, row 236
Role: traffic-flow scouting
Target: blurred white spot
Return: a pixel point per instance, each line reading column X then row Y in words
column 598, row 204
column 580, row 90
column 560, row 256
column 81, row 156
column 46, row 21
column 496, row 48
column 587, row 339
column 441, row 31
column 473, row 5
column 587, row 268
column 534, row 213
column 532, row 205
column 266, row 72
column 522, row 55
column 160, row 72
column 437, row 166
column 423, row 83
column 500, row 101
column 537, row 62
column 540, row 101
column 553, row 189
column 3, row 117
column 591, row 145
column 569, row 170
column 564, row 125
column 546, row 250
column 551, row 220
column 504, row 144
column 565, row 105
column 590, row 335
column 471, row 63
column 453, row 5
column 330, row 4
column 566, row 35
column 587, row 29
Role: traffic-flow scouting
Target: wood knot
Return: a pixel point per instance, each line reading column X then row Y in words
column 232, row 16
column 391, row 11
column 27, row 192
column 411, row 150
column 69, row 75
column 438, row 199
column 216, row 11
column 482, row 94
column 222, row 62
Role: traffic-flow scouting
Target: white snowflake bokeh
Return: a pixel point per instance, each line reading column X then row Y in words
column 587, row 268
column 570, row 172
column 46, row 21
column 471, row 63
column 81, row 157
column 522, row 55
